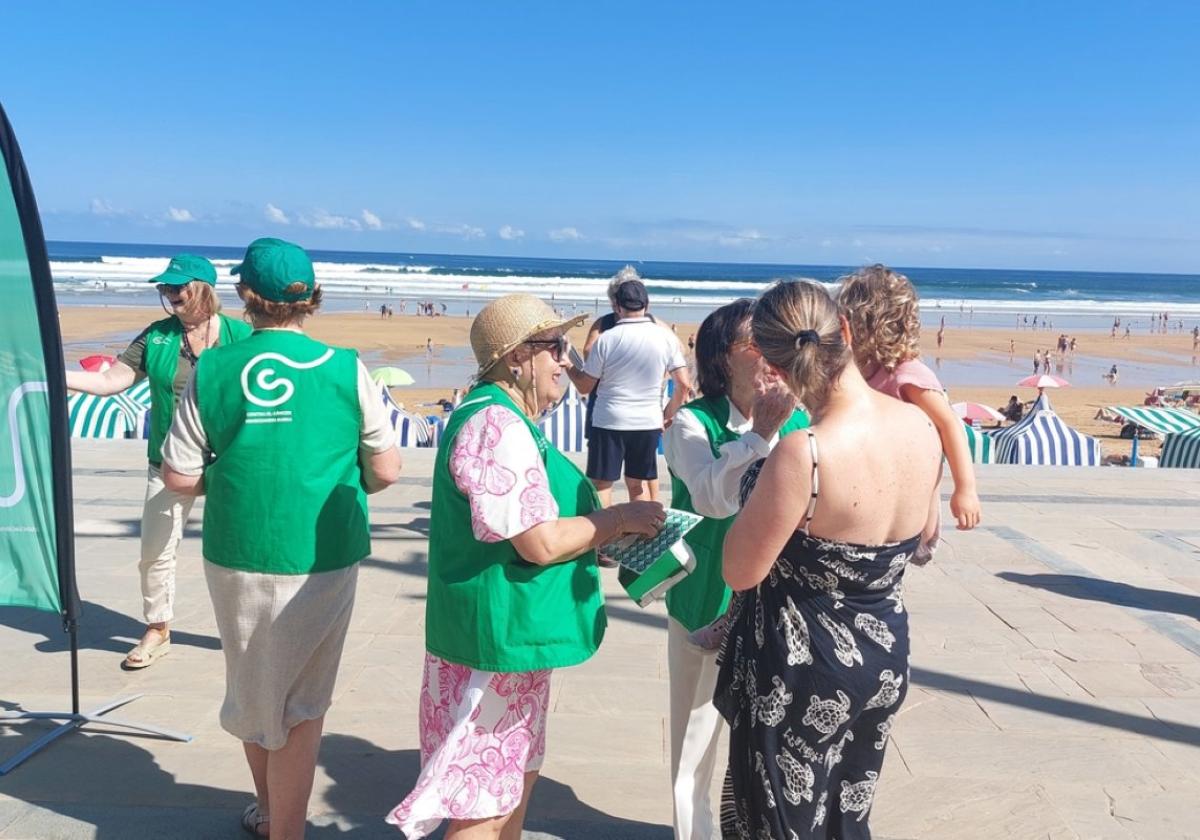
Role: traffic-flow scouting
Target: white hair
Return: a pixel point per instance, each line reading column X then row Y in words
column 626, row 273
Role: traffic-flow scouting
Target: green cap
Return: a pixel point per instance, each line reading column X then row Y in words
column 184, row 268
column 271, row 265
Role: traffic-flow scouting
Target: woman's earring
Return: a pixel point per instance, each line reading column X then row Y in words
column 516, row 372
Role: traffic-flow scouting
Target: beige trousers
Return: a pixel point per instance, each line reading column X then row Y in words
column 163, row 517
column 695, row 728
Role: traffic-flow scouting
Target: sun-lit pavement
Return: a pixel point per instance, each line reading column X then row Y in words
column 1055, row 681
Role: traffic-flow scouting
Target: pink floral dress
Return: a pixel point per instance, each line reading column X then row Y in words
column 481, row 732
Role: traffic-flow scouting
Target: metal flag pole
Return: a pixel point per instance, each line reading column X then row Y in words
column 60, row 454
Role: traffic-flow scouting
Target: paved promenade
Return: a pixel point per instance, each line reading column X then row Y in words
column 1055, row 672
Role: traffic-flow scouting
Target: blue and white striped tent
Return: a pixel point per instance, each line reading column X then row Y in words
column 1042, row 438
column 1181, row 449
column 90, row 416
column 413, row 430
column 563, row 426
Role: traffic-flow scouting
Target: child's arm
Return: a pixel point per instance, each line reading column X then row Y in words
column 964, row 504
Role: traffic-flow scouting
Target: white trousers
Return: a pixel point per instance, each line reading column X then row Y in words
column 695, row 728
column 163, row 517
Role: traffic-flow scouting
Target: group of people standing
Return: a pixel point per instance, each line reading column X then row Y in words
column 791, row 630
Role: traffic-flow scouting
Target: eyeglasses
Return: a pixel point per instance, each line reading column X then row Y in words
column 556, row 346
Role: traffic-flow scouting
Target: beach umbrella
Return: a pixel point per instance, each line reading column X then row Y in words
column 392, row 377
column 1043, row 380
column 98, row 363
column 977, row 411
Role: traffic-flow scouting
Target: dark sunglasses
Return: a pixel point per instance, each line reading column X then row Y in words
column 556, row 346
column 167, row 288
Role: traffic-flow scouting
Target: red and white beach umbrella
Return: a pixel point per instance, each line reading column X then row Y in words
column 970, row 412
column 98, row 363
column 1043, row 380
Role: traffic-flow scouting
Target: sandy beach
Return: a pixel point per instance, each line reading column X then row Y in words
column 975, row 364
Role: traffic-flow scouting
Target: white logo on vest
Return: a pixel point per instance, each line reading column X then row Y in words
column 268, row 380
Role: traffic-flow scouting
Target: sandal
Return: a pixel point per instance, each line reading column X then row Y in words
column 252, row 820
column 145, row 653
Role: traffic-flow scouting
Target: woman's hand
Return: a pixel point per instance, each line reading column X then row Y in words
column 773, row 405
column 642, row 518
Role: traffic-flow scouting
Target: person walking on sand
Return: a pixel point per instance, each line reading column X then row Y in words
column 284, row 436
column 165, row 353
column 1037, row 361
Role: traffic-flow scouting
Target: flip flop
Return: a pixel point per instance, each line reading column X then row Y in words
column 252, row 819
column 147, row 653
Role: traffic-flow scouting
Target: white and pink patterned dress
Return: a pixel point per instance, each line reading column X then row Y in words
column 481, row 732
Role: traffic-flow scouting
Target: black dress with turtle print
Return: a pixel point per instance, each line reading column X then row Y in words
column 812, row 672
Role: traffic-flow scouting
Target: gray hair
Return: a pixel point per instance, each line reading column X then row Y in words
column 626, row 273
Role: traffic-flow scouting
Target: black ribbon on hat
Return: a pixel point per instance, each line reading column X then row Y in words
column 807, row 337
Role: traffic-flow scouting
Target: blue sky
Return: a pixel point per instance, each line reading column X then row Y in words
column 1017, row 134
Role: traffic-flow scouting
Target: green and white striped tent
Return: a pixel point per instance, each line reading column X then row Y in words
column 1162, row 420
column 98, row 417
column 980, row 443
column 1181, row 449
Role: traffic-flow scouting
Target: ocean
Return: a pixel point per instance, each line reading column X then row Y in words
column 99, row 273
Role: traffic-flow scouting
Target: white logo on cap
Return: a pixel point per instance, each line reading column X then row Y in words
column 267, row 379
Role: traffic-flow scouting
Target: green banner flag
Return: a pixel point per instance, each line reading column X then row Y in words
column 29, row 528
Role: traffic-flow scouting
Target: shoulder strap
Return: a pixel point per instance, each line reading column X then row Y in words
column 816, row 483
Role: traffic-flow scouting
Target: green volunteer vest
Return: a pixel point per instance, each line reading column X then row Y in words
column 161, row 360
column 701, row 597
column 284, row 489
column 487, row 607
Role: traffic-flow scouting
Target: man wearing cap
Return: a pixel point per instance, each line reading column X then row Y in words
column 631, row 360
column 165, row 353
column 285, row 436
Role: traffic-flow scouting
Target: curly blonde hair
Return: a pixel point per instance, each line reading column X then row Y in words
column 883, row 311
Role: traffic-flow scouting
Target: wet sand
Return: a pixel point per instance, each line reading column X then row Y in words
column 975, row 364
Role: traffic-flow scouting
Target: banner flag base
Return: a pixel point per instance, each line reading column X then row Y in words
column 75, row 720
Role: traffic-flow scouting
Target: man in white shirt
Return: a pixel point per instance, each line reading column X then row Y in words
column 631, row 359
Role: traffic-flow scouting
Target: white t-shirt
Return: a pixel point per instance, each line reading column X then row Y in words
column 630, row 360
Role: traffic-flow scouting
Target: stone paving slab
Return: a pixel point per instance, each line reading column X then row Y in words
column 1055, row 681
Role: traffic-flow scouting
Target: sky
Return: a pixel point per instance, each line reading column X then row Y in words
column 1058, row 135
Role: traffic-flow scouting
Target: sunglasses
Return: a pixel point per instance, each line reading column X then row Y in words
column 556, row 346
column 170, row 288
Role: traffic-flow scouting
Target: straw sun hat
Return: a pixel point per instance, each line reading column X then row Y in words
column 506, row 322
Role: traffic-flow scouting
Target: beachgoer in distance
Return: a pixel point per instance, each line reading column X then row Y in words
column 165, row 353
column 285, row 463
column 815, row 667
column 514, row 589
column 630, row 362
column 740, row 418
column 1014, row 411
column 882, row 309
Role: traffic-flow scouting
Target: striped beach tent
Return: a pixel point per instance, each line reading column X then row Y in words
column 139, row 393
column 563, row 426
column 1181, row 449
column 1160, row 419
column 1043, row 438
column 981, row 445
column 98, row 417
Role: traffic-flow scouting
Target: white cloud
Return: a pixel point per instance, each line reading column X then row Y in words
column 566, row 234
column 180, row 214
column 469, row 232
column 324, row 220
column 510, row 232
column 371, row 221
column 415, row 224
column 102, row 207
column 274, row 214
column 742, row 238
